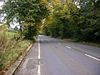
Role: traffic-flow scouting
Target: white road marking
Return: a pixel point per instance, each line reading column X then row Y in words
column 92, row 57
column 39, row 69
column 68, row 47
column 38, row 50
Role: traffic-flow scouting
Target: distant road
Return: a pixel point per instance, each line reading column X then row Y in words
column 50, row 56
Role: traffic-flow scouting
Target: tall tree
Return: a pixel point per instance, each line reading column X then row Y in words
column 29, row 13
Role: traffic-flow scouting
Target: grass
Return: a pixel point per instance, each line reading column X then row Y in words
column 10, row 48
column 11, row 34
column 10, row 55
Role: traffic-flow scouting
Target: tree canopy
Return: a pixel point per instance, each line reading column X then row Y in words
column 28, row 13
column 78, row 19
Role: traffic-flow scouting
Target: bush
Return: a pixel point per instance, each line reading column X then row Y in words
column 30, row 32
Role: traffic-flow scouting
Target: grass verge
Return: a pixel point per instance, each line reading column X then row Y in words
column 9, row 56
column 11, row 49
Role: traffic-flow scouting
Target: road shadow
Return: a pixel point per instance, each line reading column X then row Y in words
column 51, row 41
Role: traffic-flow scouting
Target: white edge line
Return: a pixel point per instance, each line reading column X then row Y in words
column 39, row 70
column 38, row 50
column 92, row 57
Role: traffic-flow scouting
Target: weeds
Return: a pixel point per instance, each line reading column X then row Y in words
column 10, row 48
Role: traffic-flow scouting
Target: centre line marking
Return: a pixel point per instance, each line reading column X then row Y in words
column 68, row 47
column 39, row 69
column 92, row 57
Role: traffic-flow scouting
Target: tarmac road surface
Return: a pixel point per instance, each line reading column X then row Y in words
column 50, row 56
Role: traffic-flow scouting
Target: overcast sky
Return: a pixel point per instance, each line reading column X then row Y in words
column 1, row 3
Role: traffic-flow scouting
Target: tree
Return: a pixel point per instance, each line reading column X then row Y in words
column 29, row 14
column 63, row 17
column 77, row 19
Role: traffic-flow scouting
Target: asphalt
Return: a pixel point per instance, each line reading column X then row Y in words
column 58, row 57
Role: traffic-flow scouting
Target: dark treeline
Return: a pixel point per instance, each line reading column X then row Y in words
column 79, row 20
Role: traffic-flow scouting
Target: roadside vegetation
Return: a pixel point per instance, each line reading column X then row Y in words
column 29, row 15
column 78, row 20
column 10, row 47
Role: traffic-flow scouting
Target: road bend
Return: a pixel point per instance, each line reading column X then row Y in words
column 50, row 56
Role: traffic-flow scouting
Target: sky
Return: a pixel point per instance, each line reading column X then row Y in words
column 14, row 24
column 1, row 3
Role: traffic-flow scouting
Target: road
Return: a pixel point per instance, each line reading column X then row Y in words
column 50, row 56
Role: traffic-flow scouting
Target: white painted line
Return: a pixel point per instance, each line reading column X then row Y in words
column 68, row 47
column 39, row 69
column 92, row 57
column 38, row 50
column 39, row 72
